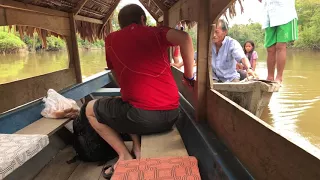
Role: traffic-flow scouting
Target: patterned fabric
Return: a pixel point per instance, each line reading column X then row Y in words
column 16, row 149
column 173, row 168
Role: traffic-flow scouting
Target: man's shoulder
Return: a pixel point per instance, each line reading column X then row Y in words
column 230, row 39
column 232, row 42
column 110, row 36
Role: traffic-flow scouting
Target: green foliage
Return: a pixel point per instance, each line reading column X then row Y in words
column 309, row 24
column 32, row 42
column 253, row 32
column 55, row 43
column 193, row 33
column 98, row 44
column 10, row 43
column 309, row 27
column 114, row 21
column 87, row 45
column 150, row 21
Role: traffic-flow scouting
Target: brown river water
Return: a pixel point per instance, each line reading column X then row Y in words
column 292, row 111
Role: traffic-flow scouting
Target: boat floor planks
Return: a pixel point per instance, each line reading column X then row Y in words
column 58, row 169
column 87, row 171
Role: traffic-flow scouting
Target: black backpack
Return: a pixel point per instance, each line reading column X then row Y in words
column 87, row 143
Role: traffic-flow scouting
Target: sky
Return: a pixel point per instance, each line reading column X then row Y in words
column 252, row 10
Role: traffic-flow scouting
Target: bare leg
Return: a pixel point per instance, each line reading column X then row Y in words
column 271, row 62
column 108, row 134
column 136, row 148
column 281, row 49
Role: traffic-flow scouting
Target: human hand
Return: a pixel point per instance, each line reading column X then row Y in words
column 71, row 113
column 188, row 81
column 239, row 66
column 252, row 73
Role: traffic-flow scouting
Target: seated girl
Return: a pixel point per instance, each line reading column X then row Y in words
column 252, row 55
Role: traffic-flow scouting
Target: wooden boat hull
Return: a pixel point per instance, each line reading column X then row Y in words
column 253, row 96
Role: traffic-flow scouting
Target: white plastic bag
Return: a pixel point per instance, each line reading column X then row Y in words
column 56, row 104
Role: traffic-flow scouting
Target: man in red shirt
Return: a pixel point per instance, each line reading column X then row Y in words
column 138, row 59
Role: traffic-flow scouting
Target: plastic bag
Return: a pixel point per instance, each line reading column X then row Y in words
column 56, row 104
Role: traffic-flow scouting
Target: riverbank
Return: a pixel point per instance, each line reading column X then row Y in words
column 12, row 43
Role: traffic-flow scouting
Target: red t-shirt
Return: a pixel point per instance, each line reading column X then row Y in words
column 138, row 55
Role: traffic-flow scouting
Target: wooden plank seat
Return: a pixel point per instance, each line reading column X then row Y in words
column 167, row 144
column 45, row 126
column 17, row 119
column 107, row 92
column 16, row 149
column 27, row 120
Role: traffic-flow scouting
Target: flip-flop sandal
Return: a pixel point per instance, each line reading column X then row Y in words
column 133, row 155
column 108, row 175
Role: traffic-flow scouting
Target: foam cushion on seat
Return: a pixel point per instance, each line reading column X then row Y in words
column 16, row 149
column 185, row 167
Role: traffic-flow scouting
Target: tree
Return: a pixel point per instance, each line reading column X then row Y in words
column 243, row 33
column 309, row 24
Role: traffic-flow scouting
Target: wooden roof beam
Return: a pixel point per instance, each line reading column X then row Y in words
column 149, row 10
column 28, row 7
column 79, row 6
column 107, row 17
column 160, row 5
column 27, row 1
column 102, row 3
column 84, row 9
column 87, row 19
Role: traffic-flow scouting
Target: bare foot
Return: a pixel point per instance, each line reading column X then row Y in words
column 112, row 168
column 270, row 78
column 279, row 81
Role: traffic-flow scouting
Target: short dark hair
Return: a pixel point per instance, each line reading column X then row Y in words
column 130, row 14
column 223, row 24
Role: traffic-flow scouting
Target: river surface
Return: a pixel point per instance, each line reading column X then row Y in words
column 292, row 111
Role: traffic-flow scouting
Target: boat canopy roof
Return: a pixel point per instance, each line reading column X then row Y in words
column 93, row 16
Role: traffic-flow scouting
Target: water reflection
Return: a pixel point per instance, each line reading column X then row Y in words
column 14, row 67
column 292, row 111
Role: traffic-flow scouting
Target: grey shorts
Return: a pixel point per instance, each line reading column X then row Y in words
column 124, row 118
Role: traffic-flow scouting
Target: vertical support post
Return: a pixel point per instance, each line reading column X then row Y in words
column 210, row 80
column 166, row 18
column 73, row 49
column 202, row 66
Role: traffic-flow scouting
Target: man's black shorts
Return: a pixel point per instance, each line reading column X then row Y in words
column 124, row 118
